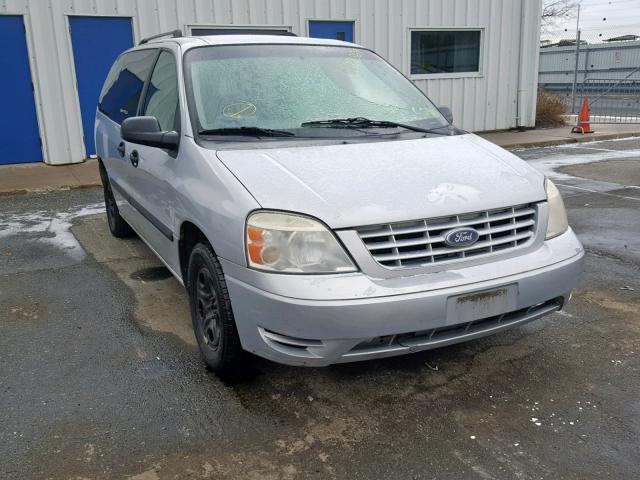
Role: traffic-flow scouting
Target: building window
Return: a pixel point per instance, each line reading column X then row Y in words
column 445, row 51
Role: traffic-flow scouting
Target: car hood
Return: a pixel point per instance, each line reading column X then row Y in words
column 379, row 182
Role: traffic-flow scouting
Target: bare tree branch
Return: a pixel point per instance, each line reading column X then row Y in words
column 554, row 11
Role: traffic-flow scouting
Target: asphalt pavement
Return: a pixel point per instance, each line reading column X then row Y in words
column 100, row 376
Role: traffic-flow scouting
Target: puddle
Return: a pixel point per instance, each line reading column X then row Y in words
column 151, row 274
column 622, row 172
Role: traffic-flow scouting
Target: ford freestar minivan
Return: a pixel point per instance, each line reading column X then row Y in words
column 318, row 207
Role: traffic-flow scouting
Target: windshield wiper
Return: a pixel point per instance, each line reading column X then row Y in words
column 247, row 131
column 362, row 122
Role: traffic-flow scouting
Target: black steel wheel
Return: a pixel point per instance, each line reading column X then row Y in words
column 207, row 316
column 211, row 314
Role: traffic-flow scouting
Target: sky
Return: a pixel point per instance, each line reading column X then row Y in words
column 622, row 17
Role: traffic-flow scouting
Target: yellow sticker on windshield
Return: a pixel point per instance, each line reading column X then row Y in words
column 239, row 109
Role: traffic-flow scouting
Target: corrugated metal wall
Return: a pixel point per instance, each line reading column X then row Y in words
column 614, row 60
column 488, row 101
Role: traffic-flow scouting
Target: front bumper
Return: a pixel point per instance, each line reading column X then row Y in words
column 317, row 320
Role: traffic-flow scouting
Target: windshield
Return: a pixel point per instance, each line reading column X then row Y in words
column 283, row 86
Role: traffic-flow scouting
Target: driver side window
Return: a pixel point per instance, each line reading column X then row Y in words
column 162, row 93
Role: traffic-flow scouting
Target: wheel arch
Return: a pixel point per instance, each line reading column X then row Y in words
column 190, row 236
column 103, row 171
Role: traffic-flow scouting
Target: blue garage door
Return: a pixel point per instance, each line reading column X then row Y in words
column 19, row 136
column 96, row 42
column 333, row 30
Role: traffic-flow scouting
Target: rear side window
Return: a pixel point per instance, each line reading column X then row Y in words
column 121, row 92
column 162, row 93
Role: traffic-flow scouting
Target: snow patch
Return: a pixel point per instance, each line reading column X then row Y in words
column 49, row 227
column 549, row 165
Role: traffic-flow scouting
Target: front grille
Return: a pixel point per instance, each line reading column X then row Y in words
column 421, row 242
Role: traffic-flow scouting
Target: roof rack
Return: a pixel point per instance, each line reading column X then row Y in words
column 173, row 34
column 203, row 31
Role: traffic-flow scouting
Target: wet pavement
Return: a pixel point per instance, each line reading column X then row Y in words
column 100, row 376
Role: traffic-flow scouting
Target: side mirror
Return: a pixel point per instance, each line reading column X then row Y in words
column 146, row 131
column 446, row 113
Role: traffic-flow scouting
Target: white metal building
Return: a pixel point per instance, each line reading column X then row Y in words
column 480, row 57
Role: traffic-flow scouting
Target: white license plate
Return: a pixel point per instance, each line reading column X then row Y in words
column 483, row 304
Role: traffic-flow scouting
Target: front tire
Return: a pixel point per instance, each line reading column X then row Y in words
column 211, row 313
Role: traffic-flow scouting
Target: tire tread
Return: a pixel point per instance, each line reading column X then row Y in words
column 231, row 358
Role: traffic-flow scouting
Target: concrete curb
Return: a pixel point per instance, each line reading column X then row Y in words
column 57, row 188
column 565, row 141
column 41, row 178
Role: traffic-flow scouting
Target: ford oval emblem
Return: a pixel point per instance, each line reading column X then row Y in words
column 461, row 237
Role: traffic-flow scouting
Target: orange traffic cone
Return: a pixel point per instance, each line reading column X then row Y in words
column 583, row 119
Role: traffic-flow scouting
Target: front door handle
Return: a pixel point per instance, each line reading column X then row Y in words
column 121, row 149
column 134, row 157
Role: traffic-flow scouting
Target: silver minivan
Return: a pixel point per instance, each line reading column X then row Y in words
column 318, row 207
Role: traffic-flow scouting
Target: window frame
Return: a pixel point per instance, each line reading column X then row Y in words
column 177, row 123
column 187, row 83
column 143, row 92
column 435, row 76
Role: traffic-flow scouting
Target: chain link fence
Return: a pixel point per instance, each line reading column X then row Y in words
column 603, row 66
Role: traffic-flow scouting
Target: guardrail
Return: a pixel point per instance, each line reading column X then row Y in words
column 612, row 100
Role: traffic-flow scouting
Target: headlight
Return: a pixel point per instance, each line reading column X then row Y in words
column 558, row 223
column 288, row 243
